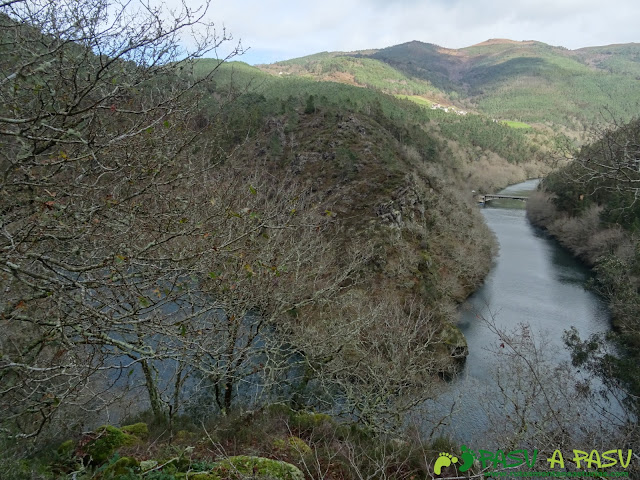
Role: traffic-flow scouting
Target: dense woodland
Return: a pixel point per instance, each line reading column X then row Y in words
column 212, row 271
column 506, row 80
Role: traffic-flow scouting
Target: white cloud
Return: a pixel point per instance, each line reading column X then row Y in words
column 282, row 29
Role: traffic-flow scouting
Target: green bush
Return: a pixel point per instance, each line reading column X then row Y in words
column 106, row 441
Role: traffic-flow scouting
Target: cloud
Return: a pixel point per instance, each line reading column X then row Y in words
column 282, row 29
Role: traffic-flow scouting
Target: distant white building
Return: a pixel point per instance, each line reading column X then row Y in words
column 437, row 106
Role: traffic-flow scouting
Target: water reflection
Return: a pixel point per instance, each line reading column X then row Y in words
column 534, row 282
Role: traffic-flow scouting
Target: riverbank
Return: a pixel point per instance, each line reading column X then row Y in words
column 534, row 284
column 607, row 250
column 612, row 253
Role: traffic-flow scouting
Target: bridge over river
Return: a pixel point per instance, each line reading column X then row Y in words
column 483, row 199
column 535, row 283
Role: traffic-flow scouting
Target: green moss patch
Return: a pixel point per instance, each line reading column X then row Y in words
column 104, row 442
column 293, row 445
column 258, row 467
column 310, row 421
column 122, row 466
column 139, row 430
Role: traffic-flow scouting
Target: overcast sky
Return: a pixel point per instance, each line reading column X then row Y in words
column 276, row 30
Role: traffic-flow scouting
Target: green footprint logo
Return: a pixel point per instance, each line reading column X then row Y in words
column 467, row 458
column 444, row 460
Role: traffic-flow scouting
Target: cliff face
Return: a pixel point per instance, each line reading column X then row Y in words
column 429, row 242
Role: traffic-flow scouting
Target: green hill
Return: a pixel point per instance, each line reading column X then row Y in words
column 422, row 60
column 622, row 59
column 269, row 236
column 475, row 144
column 356, row 70
column 520, row 81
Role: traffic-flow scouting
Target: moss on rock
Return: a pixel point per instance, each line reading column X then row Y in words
column 138, row 430
column 293, row 445
column 106, row 440
column 309, row 420
column 122, row 466
column 455, row 341
column 258, row 467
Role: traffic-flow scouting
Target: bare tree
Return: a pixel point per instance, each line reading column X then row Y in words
column 277, row 259
column 608, row 164
column 96, row 109
column 540, row 403
column 132, row 260
column 381, row 357
column 130, row 257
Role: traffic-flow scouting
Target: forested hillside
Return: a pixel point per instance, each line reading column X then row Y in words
column 486, row 154
column 214, row 271
column 218, row 252
column 525, row 81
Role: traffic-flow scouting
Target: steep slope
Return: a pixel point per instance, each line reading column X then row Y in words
column 528, row 81
column 486, row 154
column 368, row 157
column 357, row 69
column 426, row 61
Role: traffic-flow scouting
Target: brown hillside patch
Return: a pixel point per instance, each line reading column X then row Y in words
column 503, row 41
column 343, row 77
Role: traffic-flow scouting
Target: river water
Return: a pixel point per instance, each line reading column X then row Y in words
column 535, row 282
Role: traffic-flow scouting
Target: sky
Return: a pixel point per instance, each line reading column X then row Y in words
column 275, row 30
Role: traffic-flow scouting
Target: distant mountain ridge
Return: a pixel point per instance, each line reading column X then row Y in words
column 513, row 80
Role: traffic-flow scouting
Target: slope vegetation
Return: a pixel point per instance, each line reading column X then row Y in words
column 526, row 81
column 591, row 207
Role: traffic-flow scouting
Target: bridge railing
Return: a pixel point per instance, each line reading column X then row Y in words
column 497, row 196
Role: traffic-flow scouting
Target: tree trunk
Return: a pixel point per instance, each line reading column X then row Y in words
column 157, row 405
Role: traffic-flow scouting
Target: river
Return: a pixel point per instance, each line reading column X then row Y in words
column 533, row 281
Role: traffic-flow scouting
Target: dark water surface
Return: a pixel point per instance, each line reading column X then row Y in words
column 533, row 281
